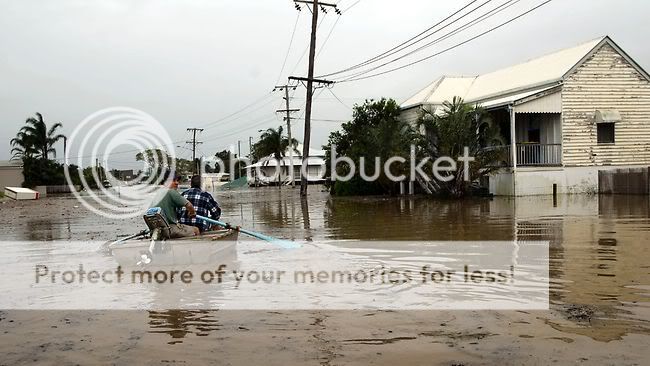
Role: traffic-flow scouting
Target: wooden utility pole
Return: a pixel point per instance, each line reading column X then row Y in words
column 239, row 156
column 288, row 118
column 65, row 150
column 195, row 164
column 315, row 6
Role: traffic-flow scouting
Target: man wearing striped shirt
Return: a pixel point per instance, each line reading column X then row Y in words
column 204, row 204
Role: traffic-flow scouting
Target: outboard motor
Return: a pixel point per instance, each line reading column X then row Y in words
column 159, row 227
column 156, row 223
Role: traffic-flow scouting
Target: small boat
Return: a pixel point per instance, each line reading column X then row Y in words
column 155, row 247
column 209, row 247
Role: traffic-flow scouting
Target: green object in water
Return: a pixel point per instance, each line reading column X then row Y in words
column 237, row 183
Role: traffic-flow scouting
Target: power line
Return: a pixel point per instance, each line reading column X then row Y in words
column 350, row 7
column 247, row 115
column 214, row 136
column 241, row 130
column 405, row 43
column 337, row 98
column 293, row 33
column 449, row 48
column 306, row 48
column 473, row 22
column 238, row 111
column 322, row 46
column 325, row 120
column 113, row 153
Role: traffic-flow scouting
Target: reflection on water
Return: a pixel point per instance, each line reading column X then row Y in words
column 598, row 254
column 179, row 323
column 47, row 229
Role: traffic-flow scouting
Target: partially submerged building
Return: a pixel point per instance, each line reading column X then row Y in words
column 271, row 171
column 575, row 121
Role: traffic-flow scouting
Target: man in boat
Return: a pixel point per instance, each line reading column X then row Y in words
column 204, row 204
column 169, row 201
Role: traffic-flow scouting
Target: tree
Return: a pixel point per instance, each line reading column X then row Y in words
column 459, row 126
column 154, row 157
column 22, row 146
column 157, row 161
column 375, row 131
column 33, row 144
column 160, row 160
column 35, row 139
column 224, row 156
column 272, row 143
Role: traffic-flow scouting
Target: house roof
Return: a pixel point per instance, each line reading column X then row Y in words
column 316, row 157
column 297, row 162
column 440, row 90
column 530, row 76
column 312, row 152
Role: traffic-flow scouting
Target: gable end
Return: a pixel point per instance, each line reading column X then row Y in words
column 618, row 49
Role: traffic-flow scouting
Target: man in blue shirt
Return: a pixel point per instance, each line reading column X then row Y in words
column 204, row 204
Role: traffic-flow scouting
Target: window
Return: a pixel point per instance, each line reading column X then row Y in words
column 605, row 133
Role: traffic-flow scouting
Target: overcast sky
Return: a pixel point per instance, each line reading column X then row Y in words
column 191, row 62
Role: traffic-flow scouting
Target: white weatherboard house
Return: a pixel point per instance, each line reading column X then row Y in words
column 273, row 170
column 567, row 117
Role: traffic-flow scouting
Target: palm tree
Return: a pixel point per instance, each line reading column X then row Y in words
column 22, row 147
column 273, row 143
column 35, row 139
column 459, row 126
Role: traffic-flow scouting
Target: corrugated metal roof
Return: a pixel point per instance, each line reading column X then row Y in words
column 297, row 162
column 549, row 103
column 533, row 74
column 440, row 90
column 513, row 97
column 316, row 157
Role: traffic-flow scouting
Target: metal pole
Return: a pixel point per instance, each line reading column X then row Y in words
column 513, row 146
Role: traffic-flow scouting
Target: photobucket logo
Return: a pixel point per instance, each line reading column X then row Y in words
column 97, row 138
column 442, row 168
column 344, row 168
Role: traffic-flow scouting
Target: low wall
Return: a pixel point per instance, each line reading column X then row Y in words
column 539, row 181
column 501, row 183
column 624, row 181
column 11, row 176
column 45, row 190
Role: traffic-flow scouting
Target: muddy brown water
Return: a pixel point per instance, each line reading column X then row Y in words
column 599, row 264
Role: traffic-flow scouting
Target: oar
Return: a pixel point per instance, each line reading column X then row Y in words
column 283, row 243
column 104, row 247
column 141, row 233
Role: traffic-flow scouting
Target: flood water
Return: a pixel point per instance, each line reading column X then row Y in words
column 599, row 254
